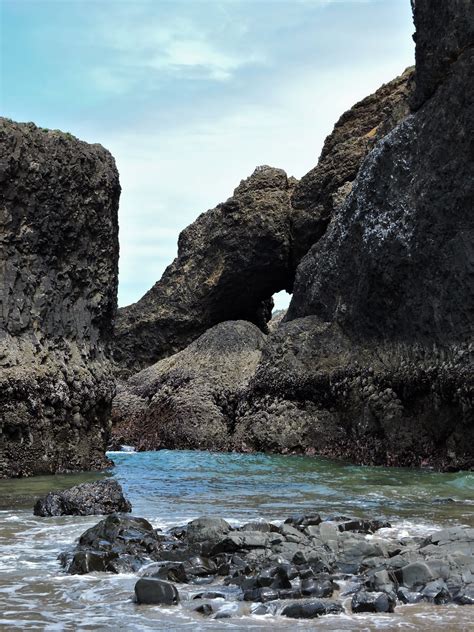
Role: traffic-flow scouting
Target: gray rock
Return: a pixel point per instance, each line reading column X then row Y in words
column 149, row 590
column 416, row 574
column 87, row 499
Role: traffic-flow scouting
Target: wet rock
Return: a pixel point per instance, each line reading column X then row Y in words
column 313, row 588
column 149, row 590
column 408, row 596
column 415, row 574
column 437, row 592
column 87, row 499
column 58, row 279
column 207, row 529
column 126, row 543
column 372, row 602
column 209, row 595
column 169, row 571
column 363, row 526
column 312, row 609
column 205, row 609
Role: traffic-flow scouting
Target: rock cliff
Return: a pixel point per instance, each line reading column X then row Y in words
column 58, row 286
column 375, row 357
column 233, row 258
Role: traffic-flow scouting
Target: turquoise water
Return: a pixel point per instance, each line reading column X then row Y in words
column 171, row 487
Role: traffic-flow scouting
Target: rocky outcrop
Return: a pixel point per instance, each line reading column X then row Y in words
column 87, row 499
column 189, row 400
column 58, row 286
column 323, row 190
column 233, row 258
column 230, row 262
column 374, row 361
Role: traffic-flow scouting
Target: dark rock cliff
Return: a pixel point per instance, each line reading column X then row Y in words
column 376, row 355
column 234, row 257
column 230, row 261
column 373, row 361
column 58, row 286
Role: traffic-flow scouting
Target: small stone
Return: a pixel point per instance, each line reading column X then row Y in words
column 149, row 590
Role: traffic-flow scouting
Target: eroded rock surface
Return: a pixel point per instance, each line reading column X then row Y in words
column 384, row 302
column 230, row 262
column 189, row 399
column 58, row 286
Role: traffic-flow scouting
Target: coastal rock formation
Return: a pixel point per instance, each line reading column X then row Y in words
column 230, row 262
column 189, row 400
column 58, row 285
column 374, row 361
column 87, row 499
column 319, row 193
column 233, row 258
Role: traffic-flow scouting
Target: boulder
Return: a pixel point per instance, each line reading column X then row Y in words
column 58, row 278
column 188, row 400
column 372, row 602
column 311, row 609
column 87, row 499
column 118, row 543
column 149, row 590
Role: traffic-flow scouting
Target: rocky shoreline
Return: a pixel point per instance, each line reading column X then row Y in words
column 305, row 567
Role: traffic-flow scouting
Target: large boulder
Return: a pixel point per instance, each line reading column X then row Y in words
column 87, row 499
column 188, row 400
column 373, row 363
column 58, row 286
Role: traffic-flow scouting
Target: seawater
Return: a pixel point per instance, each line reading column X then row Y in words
column 172, row 487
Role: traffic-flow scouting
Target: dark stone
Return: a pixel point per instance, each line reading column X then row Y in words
column 133, row 541
column 364, row 526
column 205, row 609
column 408, row 596
column 304, row 521
column 437, row 592
column 314, row 588
column 261, row 594
column 58, row 261
column 87, row 499
column 170, row 571
column 207, row 528
column 372, row 602
column 149, row 590
column 312, row 609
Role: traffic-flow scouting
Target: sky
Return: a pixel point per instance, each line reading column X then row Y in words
column 190, row 96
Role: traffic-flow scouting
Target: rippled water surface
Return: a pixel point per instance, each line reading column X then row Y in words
column 172, row 487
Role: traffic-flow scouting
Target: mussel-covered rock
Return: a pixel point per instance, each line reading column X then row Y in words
column 88, row 499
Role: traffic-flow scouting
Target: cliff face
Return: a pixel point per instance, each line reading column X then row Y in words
column 235, row 256
column 376, row 349
column 58, row 286
column 230, row 261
